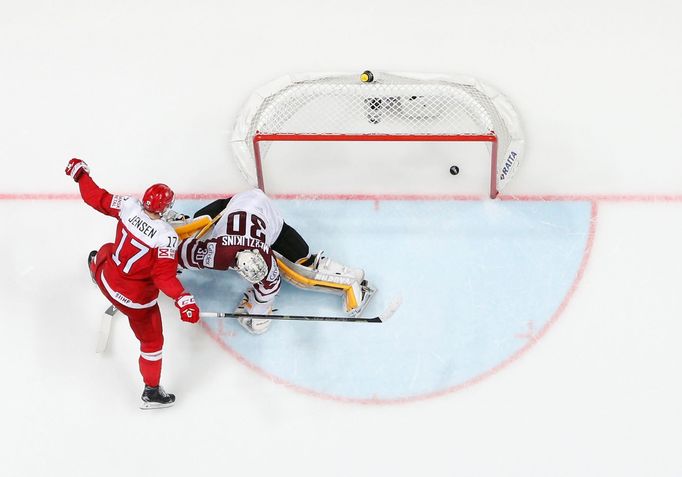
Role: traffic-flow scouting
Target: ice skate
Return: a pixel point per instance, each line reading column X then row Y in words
column 156, row 398
column 367, row 292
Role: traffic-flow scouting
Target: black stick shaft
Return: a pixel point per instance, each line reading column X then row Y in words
column 375, row 319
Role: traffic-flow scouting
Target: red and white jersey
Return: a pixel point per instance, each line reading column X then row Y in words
column 143, row 258
column 249, row 222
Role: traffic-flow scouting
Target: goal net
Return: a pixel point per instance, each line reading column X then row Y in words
column 341, row 109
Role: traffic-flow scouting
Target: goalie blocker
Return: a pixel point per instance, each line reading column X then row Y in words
column 246, row 233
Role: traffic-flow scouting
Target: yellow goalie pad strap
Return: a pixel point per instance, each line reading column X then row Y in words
column 187, row 230
column 294, row 276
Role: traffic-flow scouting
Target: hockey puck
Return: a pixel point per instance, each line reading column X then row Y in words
column 454, row 170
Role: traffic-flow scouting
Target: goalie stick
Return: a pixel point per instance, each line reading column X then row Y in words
column 382, row 318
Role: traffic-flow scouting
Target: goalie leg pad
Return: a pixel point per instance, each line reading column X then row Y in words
column 188, row 228
column 328, row 276
column 327, row 269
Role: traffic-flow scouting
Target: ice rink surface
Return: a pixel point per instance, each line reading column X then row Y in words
column 540, row 337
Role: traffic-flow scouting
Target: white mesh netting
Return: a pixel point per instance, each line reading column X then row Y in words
column 393, row 104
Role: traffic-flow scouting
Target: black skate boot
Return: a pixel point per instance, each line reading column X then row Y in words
column 91, row 264
column 155, row 398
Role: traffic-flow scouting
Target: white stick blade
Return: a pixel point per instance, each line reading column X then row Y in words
column 391, row 308
column 104, row 330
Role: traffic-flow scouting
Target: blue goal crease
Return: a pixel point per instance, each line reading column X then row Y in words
column 475, row 277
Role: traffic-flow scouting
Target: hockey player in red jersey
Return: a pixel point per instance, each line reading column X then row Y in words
column 131, row 270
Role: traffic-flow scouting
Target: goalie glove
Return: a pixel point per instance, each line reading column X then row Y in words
column 250, row 304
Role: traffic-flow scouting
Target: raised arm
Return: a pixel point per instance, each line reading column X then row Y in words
column 93, row 195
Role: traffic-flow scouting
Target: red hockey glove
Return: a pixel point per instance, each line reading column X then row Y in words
column 76, row 168
column 189, row 311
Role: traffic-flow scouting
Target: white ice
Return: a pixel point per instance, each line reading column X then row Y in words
column 147, row 90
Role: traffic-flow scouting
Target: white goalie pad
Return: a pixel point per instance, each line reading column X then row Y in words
column 328, row 270
column 326, row 275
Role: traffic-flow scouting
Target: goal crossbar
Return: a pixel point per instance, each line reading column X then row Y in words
column 491, row 138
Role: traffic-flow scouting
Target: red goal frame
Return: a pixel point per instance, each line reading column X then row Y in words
column 274, row 137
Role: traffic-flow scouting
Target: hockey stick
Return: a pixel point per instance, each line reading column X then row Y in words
column 208, row 226
column 105, row 329
column 382, row 318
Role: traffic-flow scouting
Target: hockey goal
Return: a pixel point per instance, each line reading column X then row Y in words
column 394, row 107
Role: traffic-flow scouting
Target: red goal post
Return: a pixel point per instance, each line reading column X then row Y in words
column 394, row 107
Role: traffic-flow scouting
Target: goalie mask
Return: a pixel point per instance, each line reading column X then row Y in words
column 251, row 265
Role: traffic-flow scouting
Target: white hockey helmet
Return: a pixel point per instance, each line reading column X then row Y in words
column 251, row 265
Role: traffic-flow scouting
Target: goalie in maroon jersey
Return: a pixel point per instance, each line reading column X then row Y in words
column 131, row 270
column 251, row 237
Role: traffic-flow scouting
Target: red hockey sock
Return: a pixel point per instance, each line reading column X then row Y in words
column 151, row 369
